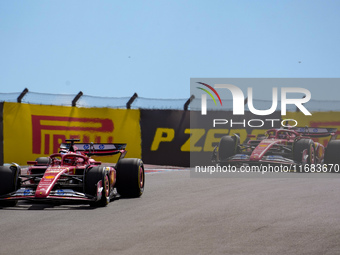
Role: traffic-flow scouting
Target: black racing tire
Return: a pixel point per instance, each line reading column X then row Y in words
column 92, row 176
column 227, row 147
column 300, row 146
column 43, row 161
column 130, row 177
column 332, row 153
column 9, row 176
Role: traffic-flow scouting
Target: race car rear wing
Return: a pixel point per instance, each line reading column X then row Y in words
column 316, row 131
column 96, row 149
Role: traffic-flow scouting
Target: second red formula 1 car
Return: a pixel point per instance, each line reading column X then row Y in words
column 72, row 175
column 280, row 146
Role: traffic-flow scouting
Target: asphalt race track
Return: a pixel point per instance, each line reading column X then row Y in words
column 182, row 215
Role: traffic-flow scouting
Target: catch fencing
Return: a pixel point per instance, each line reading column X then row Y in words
column 136, row 102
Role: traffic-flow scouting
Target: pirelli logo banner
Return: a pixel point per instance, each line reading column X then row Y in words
column 165, row 137
column 41, row 123
column 31, row 131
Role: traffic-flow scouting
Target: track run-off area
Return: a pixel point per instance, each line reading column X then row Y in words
column 180, row 214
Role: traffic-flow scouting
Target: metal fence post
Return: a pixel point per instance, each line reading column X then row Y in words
column 21, row 96
column 133, row 98
column 74, row 101
column 186, row 105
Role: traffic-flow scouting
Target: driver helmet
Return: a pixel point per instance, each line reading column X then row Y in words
column 62, row 151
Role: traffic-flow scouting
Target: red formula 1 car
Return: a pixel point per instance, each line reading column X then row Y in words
column 280, row 146
column 73, row 175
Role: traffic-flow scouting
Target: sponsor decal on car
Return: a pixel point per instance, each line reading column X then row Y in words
column 60, row 192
